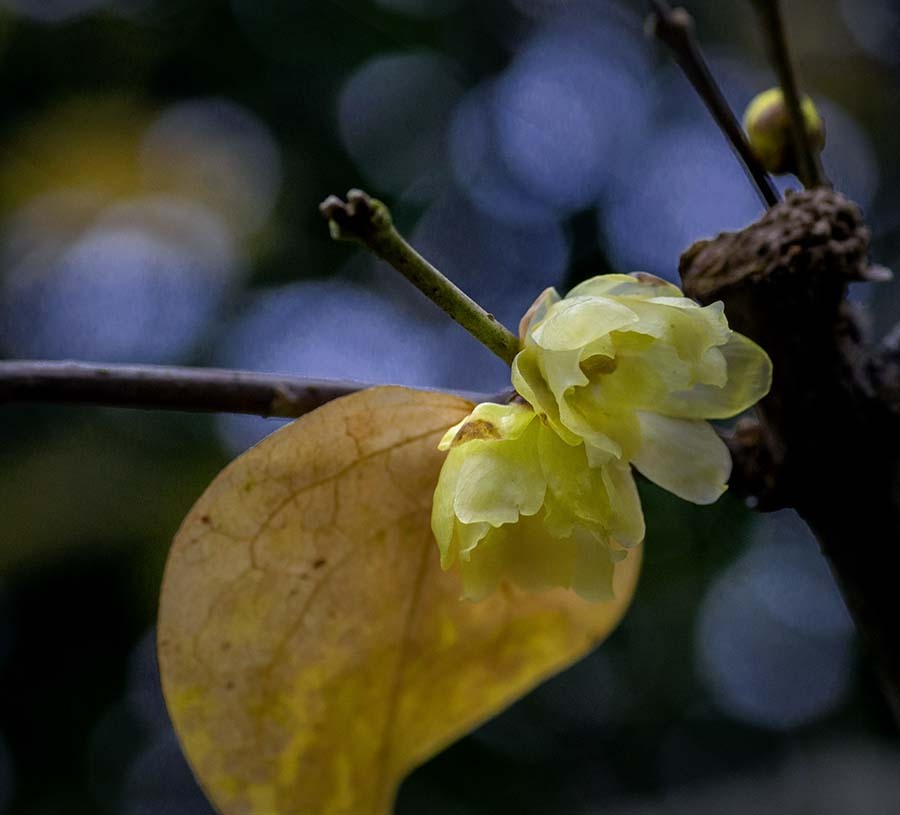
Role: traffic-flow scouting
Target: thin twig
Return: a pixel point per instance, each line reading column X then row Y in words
column 675, row 27
column 808, row 166
column 365, row 220
column 207, row 390
column 160, row 387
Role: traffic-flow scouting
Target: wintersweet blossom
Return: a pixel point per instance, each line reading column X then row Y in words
column 632, row 369
column 514, row 500
column 623, row 371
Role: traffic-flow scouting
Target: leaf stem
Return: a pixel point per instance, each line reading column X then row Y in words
column 675, row 27
column 365, row 220
column 809, row 168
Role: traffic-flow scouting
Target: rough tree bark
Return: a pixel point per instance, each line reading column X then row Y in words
column 828, row 438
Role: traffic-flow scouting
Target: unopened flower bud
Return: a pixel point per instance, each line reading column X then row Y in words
column 768, row 127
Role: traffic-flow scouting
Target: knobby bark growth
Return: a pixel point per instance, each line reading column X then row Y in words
column 827, row 442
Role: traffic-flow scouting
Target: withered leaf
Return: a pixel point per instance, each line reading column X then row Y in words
column 312, row 650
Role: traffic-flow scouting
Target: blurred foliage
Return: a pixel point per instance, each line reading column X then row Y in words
column 160, row 170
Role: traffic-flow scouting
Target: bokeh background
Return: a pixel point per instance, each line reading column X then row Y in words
column 161, row 162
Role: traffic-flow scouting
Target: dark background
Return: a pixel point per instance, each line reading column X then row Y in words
column 161, row 163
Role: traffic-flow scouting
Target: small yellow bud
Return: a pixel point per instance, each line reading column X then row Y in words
column 769, row 130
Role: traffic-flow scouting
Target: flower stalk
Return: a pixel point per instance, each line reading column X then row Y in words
column 365, row 220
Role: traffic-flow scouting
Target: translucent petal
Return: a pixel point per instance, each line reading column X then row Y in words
column 626, row 525
column 447, row 439
column 573, row 323
column 562, row 371
column 530, row 384
column 489, row 421
column 499, row 480
column 576, row 492
column 533, row 559
column 524, row 553
column 607, row 427
column 594, row 567
column 539, row 561
column 537, row 311
column 490, row 475
column 443, row 518
column 645, row 372
column 639, row 284
column 685, row 457
column 483, row 567
column 466, row 539
column 749, row 378
column 690, row 328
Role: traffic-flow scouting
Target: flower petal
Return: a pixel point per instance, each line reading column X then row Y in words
column 593, row 567
column 562, row 371
column 638, row 284
column 573, row 323
column 626, row 523
column 685, row 457
column 443, row 518
column 489, row 421
column 537, row 311
column 576, row 492
column 749, row 378
column 525, row 553
column 498, row 483
column 530, row 384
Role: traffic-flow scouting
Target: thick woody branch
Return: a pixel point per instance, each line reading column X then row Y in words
column 753, row 473
column 830, row 439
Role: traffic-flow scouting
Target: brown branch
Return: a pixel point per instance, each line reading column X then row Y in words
column 675, row 27
column 754, row 473
column 206, row 390
column 158, row 387
column 828, row 435
column 889, row 370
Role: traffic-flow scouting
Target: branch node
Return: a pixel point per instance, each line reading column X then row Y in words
column 358, row 219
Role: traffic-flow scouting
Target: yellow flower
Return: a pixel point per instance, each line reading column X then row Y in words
column 516, row 501
column 631, row 368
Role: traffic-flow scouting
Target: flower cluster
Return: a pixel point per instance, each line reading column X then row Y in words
column 623, row 371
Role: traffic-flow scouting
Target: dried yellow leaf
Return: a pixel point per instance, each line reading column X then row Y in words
column 312, row 650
